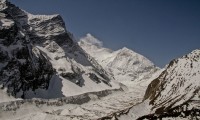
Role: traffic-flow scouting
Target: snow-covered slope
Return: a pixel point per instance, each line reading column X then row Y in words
column 179, row 83
column 95, row 105
column 39, row 58
column 124, row 64
column 175, row 94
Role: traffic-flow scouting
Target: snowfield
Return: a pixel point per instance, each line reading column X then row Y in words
column 96, row 107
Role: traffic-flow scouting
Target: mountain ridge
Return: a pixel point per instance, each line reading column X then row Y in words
column 174, row 94
column 47, row 61
column 183, row 82
column 124, row 64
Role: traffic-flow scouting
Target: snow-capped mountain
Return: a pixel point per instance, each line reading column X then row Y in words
column 179, row 83
column 175, row 94
column 124, row 64
column 39, row 58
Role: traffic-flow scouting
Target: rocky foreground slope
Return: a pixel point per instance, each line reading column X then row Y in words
column 39, row 58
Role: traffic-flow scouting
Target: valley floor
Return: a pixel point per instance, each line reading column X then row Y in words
column 95, row 109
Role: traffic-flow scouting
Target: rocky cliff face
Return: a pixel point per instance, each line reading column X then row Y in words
column 37, row 53
column 21, row 69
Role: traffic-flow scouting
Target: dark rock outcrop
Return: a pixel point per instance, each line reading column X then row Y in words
column 21, row 69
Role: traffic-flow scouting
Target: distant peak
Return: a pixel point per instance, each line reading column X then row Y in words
column 91, row 40
column 125, row 48
column 89, row 35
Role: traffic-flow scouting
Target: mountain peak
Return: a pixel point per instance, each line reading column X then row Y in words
column 125, row 48
column 91, row 40
column 43, row 16
column 89, row 35
column 123, row 64
column 38, row 53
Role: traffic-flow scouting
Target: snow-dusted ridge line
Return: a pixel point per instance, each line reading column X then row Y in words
column 124, row 64
column 180, row 82
column 174, row 94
